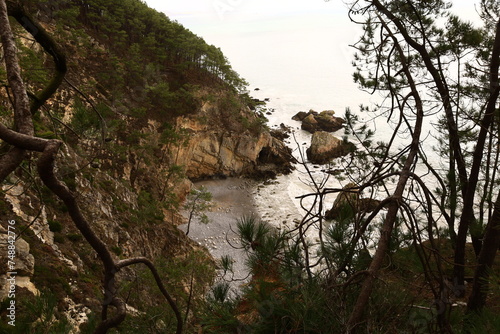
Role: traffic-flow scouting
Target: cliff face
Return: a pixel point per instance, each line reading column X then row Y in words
column 218, row 153
column 215, row 150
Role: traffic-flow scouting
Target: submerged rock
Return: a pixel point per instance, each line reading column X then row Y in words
column 281, row 133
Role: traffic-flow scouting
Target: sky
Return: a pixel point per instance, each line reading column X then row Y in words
column 208, row 18
column 237, row 27
column 214, row 20
column 227, row 12
column 264, row 40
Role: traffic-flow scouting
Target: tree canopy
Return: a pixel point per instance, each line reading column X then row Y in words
column 438, row 77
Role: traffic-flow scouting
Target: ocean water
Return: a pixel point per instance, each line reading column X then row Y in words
column 298, row 63
column 299, row 60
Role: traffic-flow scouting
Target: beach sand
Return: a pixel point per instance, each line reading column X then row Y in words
column 232, row 199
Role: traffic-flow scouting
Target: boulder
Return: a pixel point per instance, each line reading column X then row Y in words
column 324, row 121
column 300, row 116
column 327, row 122
column 325, row 146
column 348, row 203
column 310, row 124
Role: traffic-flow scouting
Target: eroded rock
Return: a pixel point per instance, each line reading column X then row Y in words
column 328, row 122
column 214, row 151
column 325, row 147
column 349, row 202
column 309, row 124
column 324, row 121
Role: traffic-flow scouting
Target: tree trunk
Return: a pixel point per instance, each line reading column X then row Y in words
column 491, row 243
column 468, row 211
column 388, row 225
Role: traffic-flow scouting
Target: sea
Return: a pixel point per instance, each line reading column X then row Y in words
column 297, row 55
column 298, row 59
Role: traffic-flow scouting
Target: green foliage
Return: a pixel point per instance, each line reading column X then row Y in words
column 226, row 263
column 165, row 102
column 159, row 94
column 84, row 120
column 486, row 322
column 117, row 250
column 282, row 298
column 170, row 135
column 197, row 203
column 149, row 210
column 59, row 238
column 218, row 313
column 55, row 226
column 188, row 279
column 74, row 237
column 142, row 36
column 32, row 66
column 219, row 293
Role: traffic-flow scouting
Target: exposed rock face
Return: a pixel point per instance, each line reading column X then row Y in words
column 328, row 122
column 325, row 146
column 349, row 202
column 324, row 121
column 309, row 123
column 212, row 151
column 273, row 159
column 300, row 116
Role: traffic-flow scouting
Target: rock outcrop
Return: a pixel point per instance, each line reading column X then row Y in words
column 216, row 151
column 349, row 202
column 328, row 122
column 323, row 121
column 310, row 124
column 301, row 115
column 325, row 147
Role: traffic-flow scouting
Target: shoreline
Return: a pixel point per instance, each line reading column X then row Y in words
column 232, row 199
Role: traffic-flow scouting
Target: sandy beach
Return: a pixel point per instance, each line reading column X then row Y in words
column 232, row 198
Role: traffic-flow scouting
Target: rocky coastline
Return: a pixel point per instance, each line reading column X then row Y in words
column 219, row 151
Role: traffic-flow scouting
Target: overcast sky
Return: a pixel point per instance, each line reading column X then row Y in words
column 214, row 20
column 209, row 18
column 236, row 26
column 239, row 9
column 220, row 11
